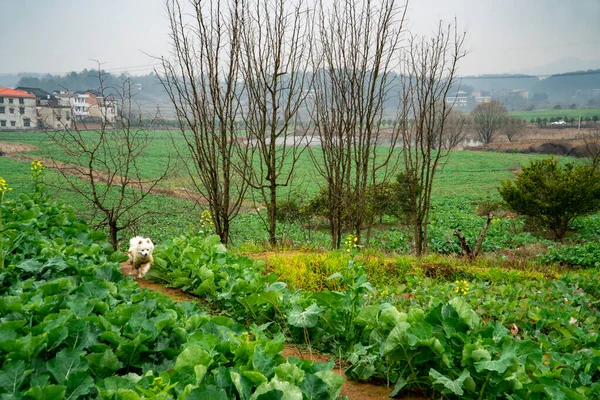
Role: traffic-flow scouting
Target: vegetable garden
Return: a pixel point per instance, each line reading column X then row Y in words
column 71, row 326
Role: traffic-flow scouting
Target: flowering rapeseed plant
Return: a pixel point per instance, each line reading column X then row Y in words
column 351, row 243
column 3, row 187
column 37, row 173
column 462, row 287
column 206, row 221
column 37, row 168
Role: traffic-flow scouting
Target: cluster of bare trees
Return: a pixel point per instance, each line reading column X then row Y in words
column 254, row 83
column 427, row 129
column 491, row 119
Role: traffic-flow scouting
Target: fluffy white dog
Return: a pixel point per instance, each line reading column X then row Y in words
column 140, row 255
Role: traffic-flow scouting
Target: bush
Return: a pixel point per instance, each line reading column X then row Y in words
column 553, row 195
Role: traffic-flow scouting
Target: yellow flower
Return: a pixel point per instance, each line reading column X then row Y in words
column 462, row 287
column 37, row 166
column 206, row 220
column 3, row 186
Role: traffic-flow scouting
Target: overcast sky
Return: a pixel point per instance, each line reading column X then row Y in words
column 60, row 36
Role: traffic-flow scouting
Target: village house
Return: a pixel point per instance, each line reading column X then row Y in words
column 102, row 107
column 17, row 110
column 77, row 101
column 50, row 113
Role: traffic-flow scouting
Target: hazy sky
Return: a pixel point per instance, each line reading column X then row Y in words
column 59, row 36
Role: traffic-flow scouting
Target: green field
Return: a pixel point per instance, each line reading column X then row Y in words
column 465, row 180
column 464, row 173
column 527, row 115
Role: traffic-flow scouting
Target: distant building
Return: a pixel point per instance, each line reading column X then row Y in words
column 51, row 114
column 17, row 110
column 77, row 101
column 459, row 99
column 102, row 107
column 481, row 99
column 521, row 92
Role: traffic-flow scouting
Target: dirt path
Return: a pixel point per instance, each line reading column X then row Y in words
column 17, row 151
column 354, row 390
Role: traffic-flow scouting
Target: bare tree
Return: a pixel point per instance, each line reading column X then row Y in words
column 103, row 166
column 513, row 128
column 202, row 83
column 489, row 118
column 454, row 128
column 591, row 146
column 359, row 46
column 275, row 58
column 429, row 68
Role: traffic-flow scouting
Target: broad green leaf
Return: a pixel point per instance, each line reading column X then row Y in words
column 193, row 355
column 79, row 384
column 507, row 358
column 290, row 391
column 47, row 392
column 367, row 316
column 390, row 317
column 289, row 373
column 307, row 318
column 262, row 362
column 12, row 375
column 453, row 386
column 314, row 388
column 474, row 352
column 30, row 266
column 400, row 384
column 66, row 362
column 242, row 384
column 255, row 377
column 56, row 337
column 333, row 380
column 200, row 371
column 103, row 364
column 209, row 392
column 465, row 312
column 397, row 338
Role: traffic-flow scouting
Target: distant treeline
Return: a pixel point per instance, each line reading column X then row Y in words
column 558, row 87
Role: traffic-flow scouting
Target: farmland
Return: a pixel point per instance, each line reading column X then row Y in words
column 72, row 326
column 520, row 320
column 528, row 115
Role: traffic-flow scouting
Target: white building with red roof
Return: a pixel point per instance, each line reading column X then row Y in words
column 17, row 110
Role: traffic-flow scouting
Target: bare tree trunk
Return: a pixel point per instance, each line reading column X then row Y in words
column 202, row 84
column 429, row 74
column 359, row 47
column 102, row 166
column 275, row 56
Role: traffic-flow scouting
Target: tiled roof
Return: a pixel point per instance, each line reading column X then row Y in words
column 6, row 92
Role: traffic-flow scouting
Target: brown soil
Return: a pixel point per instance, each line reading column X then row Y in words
column 10, row 149
column 176, row 295
column 17, row 151
column 352, row 389
column 533, row 136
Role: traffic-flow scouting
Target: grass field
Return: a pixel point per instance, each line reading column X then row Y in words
column 463, row 181
column 464, row 173
column 527, row 115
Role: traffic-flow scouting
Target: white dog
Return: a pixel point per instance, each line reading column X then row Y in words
column 140, row 255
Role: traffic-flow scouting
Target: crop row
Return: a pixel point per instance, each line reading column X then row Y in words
column 468, row 340
column 72, row 327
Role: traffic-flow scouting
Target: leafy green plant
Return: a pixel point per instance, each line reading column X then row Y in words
column 585, row 255
column 553, row 194
column 72, row 326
